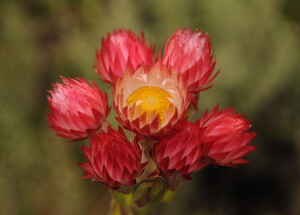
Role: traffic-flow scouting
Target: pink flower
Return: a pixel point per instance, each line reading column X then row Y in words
column 190, row 54
column 122, row 49
column 77, row 109
column 150, row 101
column 112, row 159
column 227, row 137
column 181, row 151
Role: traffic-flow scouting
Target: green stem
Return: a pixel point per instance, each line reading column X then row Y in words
column 116, row 208
column 122, row 201
column 143, row 199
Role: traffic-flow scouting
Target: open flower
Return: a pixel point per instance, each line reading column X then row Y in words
column 190, row 54
column 122, row 49
column 112, row 159
column 150, row 101
column 220, row 137
column 78, row 109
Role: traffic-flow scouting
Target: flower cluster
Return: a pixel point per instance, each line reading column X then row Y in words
column 152, row 98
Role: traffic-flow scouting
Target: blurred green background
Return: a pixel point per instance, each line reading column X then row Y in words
column 257, row 46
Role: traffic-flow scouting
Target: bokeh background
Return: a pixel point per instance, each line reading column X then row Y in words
column 257, row 47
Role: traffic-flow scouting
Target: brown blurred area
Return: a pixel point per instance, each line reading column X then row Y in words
column 257, row 47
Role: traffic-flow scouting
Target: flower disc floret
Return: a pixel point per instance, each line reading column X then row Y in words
column 151, row 99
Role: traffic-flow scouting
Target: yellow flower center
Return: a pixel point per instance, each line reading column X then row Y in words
column 152, row 99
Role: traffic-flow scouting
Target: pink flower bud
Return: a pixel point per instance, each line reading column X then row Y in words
column 77, row 109
column 122, row 49
column 112, row 159
column 227, row 137
column 190, row 54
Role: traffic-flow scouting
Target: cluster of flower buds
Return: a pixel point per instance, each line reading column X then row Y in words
column 151, row 97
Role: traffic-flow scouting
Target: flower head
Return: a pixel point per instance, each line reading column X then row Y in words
column 77, row 109
column 190, row 54
column 180, row 151
column 122, row 49
column 150, row 101
column 227, row 137
column 112, row 159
